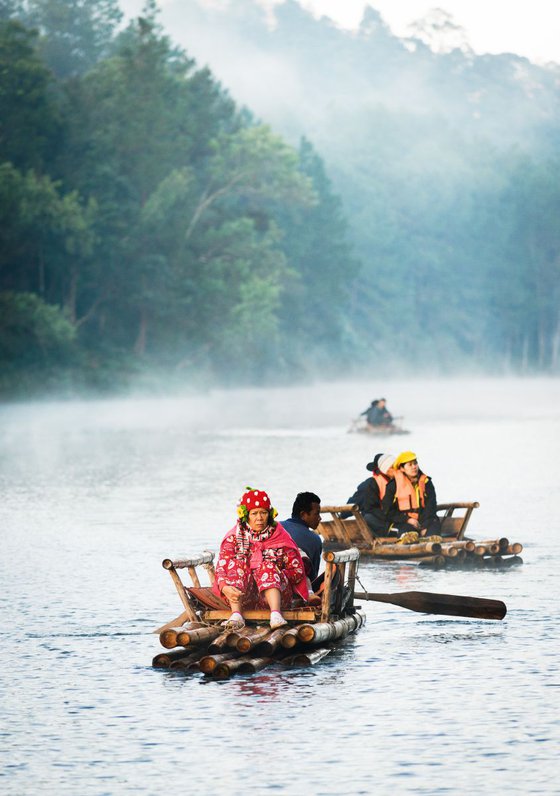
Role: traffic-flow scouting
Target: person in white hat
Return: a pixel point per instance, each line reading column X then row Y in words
column 410, row 501
column 369, row 494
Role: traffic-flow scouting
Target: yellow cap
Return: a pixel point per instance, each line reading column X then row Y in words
column 403, row 458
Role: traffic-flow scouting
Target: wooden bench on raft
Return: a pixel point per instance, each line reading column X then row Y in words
column 354, row 530
column 200, row 604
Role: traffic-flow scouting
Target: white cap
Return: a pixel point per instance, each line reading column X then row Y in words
column 385, row 462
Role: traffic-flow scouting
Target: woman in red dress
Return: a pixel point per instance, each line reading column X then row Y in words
column 259, row 565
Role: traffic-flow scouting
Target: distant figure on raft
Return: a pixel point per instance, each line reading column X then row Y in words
column 370, row 493
column 410, row 502
column 377, row 414
column 259, row 565
column 306, row 516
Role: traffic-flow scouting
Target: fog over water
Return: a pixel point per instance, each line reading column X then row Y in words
column 94, row 495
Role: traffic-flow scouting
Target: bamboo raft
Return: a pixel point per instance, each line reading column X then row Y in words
column 455, row 551
column 196, row 641
column 361, row 426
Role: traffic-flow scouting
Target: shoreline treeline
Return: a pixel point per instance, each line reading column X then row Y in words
column 149, row 224
column 152, row 229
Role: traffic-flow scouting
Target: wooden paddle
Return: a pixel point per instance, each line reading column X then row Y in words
column 426, row 602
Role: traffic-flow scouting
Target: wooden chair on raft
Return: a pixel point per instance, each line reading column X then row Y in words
column 344, row 531
column 200, row 604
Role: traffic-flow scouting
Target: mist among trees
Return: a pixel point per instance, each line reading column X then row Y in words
column 269, row 203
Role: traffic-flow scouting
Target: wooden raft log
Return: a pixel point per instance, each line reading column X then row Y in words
column 314, row 634
column 188, row 637
column 163, row 660
column 190, row 663
column 209, row 662
column 307, row 657
column 168, row 637
column 271, row 643
column 254, row 665
column 250, row 640
column 415, row 550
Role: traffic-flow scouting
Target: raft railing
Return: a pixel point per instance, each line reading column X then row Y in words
column 353, row 530
column 201, row 604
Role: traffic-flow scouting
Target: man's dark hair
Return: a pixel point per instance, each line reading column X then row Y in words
column 304, row 502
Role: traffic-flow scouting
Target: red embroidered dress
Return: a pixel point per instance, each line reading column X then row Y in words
column 255, row 562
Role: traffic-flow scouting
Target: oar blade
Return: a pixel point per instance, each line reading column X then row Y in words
column 445, row 604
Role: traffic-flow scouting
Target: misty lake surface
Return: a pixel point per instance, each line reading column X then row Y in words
column 95, row 494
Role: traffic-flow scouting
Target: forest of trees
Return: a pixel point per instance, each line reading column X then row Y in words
column 147, row 223
column 153, row 230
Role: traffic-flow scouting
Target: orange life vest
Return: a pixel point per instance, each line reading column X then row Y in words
column 408, row 496
column 381, row 482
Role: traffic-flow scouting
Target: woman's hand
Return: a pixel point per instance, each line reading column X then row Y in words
column 232, row 593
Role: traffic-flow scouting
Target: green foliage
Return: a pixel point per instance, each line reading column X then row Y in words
column 44, row 236
column 31, row 331
column 29, row 119
column 75, row 34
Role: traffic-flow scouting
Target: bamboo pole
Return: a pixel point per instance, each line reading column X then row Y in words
column 406, row 550
column 435, row 562
column 460, row 544
column 512, row 561
column 342, row 556
column 352, row 567
column 209, row 662
column 168, row 637
column 224, row 670
column 272, row 642
column 290, row 638
column 309, row 658
column 340, row 590
column 188, row 637
column 235, row 635
column 254, row 665
column 326, row 631
column 327, row 587
column 502, row 543
column 220, row 643
column 190, row 662
column 194, row 577
column 250, row 640
column 164, row 659
column 449, row 551
column 513, row 549
column 204, row 558
column 179, row 621
column 209, row 567
column 181, row 591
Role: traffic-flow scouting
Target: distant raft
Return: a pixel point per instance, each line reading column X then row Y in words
column 454, row 551
column 197, row 642
column 361, row 426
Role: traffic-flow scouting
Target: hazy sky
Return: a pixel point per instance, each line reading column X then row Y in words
column 526, row 27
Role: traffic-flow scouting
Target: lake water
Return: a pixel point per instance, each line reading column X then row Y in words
column 93, row 495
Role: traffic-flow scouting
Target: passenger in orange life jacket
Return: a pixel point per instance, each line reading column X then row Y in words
column 410, row 499
column 369, row 494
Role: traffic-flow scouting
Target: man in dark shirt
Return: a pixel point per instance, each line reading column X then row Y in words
column 301, row 526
